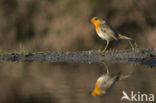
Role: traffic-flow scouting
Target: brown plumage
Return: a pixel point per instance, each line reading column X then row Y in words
column 104, row 31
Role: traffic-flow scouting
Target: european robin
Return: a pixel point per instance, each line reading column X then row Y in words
column 104, row 31
column 103, row 83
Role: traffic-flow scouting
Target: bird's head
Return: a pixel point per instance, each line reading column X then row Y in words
column 97, row 21
column 96, row 90
column 102, row 84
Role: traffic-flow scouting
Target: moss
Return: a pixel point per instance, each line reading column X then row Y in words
column 21, row 52
column 3, row 52
column 3, row 57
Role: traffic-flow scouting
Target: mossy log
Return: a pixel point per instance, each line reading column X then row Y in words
column 146, row 57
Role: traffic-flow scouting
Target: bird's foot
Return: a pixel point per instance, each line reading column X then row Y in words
column 103, row 51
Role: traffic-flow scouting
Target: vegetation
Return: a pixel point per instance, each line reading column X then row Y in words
column 63, row 25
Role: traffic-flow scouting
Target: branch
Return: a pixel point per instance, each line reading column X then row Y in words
column 146, row 57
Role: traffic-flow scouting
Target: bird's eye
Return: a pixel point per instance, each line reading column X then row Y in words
column 96, row 18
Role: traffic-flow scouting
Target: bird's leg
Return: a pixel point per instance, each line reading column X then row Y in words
column 106, row 67
column 106, row 46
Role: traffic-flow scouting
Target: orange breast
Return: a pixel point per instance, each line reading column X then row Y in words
column 96, row 90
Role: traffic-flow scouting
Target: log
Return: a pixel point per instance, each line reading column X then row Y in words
column 145, row 57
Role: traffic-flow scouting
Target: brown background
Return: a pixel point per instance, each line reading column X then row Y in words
column 63, row 25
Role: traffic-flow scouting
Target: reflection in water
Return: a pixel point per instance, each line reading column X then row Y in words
column 150, row 62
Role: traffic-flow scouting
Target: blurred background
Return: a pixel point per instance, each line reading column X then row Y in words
column 64, row 25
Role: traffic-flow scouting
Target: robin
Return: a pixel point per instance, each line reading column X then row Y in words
column 106, row 81
column 103, row 83
column 104, row 31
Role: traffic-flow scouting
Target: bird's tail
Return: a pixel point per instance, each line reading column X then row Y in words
column 124, row 37
column 127, row 38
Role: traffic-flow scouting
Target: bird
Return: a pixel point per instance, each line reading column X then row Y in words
column 105, row 31
column 106, row 81
column 103, row 83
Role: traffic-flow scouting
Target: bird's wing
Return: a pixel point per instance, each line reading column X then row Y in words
column 127, row 76
column 106, row 28
column 112, row 80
